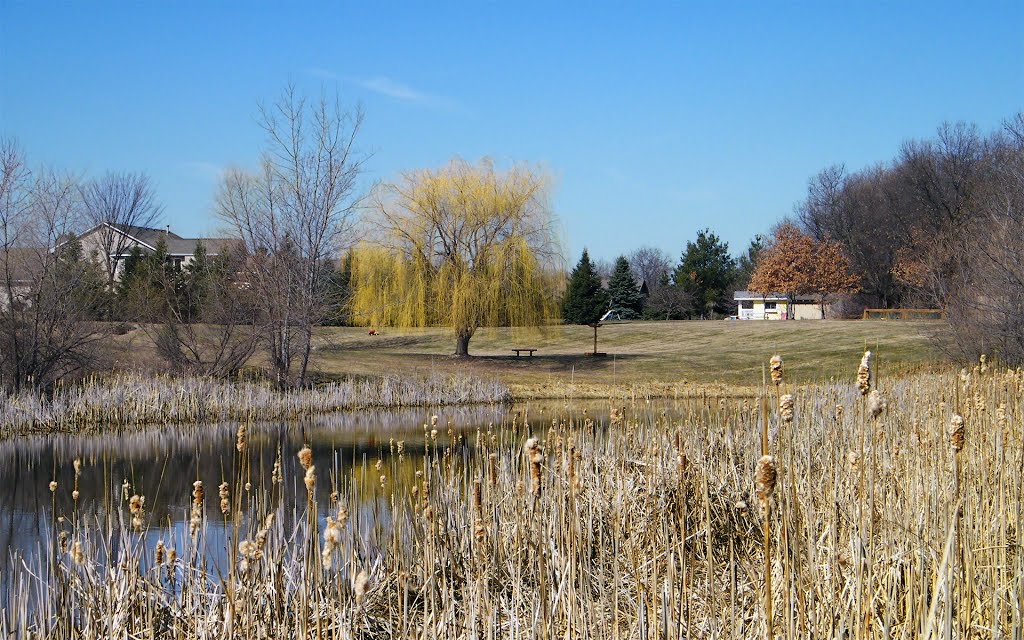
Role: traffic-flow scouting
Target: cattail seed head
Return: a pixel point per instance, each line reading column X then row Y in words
column 360, row 584
column 310, row 477
column 77, row 555
column 535, row 456
column 875, row 404
column 224, row 493
column 78, row 466
column 240, row 438
column 864, row 374
column 53, row 486
column 786, row 408
column 306, row 457
column 158, row 553
column 776, row 369
column 765, row 476
column 197, row 492
column 957, row 433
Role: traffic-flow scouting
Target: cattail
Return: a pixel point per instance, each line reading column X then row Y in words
column 360, row 584
column 53, row 486
column 310, row 478
column 158, row 553
column 979, row 403
column 535, row 456
column 853, row 459
column 275, row 474
column 839, row 413
column 240, row 438
column 196, row 519
column 78, row 466
column 765, row 476
column 74, row 495
column 379, row 465
column 77, row 555
column 786, row 408
column 332, row 540
column 864, row 374
column 306, row 457
column 875, row 404
column 492, row 464
column 957, row 433
column 983, row 363
column 225, row 495
column 135, row 505
column 433, row 435
column 571, row 471
column 62, row 541
column 172, row 555
column 776, row 369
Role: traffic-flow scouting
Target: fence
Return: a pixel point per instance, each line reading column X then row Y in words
column 904, row 314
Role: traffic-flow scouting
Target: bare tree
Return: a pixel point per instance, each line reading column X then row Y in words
column 210, row 323
column 649, row 264
column 50, row 293
column 114, row 205
column 292, row 217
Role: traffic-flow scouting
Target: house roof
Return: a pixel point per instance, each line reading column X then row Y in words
column 773, row 297
column 176, row 245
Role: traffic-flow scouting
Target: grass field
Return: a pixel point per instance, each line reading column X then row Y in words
column 695, row 353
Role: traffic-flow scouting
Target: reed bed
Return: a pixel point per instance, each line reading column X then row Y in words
column 895, row 515
column 131, row 401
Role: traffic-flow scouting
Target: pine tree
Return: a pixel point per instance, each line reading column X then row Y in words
column 624, row 291
column 706, row 272
column 585, row 300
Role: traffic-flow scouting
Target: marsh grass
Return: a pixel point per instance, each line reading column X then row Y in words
column 636, row 528
column 128, row 402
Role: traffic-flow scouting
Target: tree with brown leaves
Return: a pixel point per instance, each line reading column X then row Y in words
column 796, row 264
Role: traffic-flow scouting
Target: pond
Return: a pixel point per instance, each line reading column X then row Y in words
column 162, row 464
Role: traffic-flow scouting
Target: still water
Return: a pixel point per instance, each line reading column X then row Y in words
column 163, row 463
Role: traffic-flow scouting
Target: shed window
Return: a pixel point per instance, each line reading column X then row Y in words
column 746, row 304
column 769, row 305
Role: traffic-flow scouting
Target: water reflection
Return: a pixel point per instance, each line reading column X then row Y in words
column 162, row 464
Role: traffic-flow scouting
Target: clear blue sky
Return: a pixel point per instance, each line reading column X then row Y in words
column 656, row 119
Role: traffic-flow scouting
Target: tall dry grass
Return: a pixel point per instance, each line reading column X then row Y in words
column 883, row 523
column 131, row 401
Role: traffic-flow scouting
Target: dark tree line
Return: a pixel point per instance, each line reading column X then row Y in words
column 647, row 285
column 939, row 226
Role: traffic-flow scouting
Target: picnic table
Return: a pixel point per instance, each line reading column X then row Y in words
column 521, row 350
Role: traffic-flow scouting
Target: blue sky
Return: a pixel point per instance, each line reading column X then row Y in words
column 656, row 119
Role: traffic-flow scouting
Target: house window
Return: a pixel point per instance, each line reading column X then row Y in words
column 769, row 306
column 746, row 304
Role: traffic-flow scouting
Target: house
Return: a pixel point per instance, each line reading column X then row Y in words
column 115, row 243
column 18, row 270
column 772, row 306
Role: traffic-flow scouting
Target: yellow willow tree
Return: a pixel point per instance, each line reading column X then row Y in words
column 464, row 246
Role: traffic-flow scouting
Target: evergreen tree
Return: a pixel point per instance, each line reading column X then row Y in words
column 585, row 300
column 706, row 272
column 195, row 284
column 747, row 261
column 624, row 291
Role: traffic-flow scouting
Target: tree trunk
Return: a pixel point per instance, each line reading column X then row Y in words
column 462, row 343
column 595, row 337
